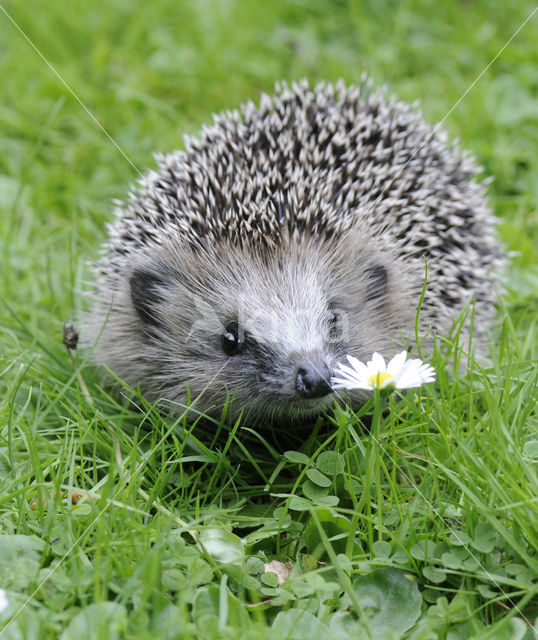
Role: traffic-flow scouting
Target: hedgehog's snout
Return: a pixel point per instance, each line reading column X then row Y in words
column 313, row 380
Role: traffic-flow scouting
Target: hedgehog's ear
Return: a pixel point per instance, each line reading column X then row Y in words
column 377, row 282
column 147, row 290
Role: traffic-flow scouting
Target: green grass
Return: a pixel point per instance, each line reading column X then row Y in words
column 117, row 522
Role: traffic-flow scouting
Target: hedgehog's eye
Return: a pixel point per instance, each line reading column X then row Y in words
column 231, row 340
column 333, row 319
column 334, row 322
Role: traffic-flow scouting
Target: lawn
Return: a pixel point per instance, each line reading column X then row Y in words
column 415, row 521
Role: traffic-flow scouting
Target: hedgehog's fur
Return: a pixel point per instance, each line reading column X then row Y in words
column 308, row 222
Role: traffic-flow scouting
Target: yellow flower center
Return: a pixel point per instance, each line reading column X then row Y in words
column 380, row 379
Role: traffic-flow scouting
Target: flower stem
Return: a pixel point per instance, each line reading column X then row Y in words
column 373, row 471
column 372, row 474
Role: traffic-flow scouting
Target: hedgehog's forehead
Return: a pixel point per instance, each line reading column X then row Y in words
column 284, row 267
column 280, row 288
column 265, row 290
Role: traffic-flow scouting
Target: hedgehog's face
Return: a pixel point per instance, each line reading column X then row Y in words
column 266, row 336
column 265, row 332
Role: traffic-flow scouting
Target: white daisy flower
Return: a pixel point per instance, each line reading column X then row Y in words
column 3, row 600
column 399, row 372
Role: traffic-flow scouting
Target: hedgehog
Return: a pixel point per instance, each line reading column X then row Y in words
column 282, row 238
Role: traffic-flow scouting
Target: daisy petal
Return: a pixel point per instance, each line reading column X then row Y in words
column 346, row 372
column 377, row 362
column 427, row 372
column 340, row 383
column 358, row 366
column 407, row 377
column 397, row 362
column 350, row 377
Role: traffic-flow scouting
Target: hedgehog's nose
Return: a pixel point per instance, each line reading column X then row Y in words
column 313, row 380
